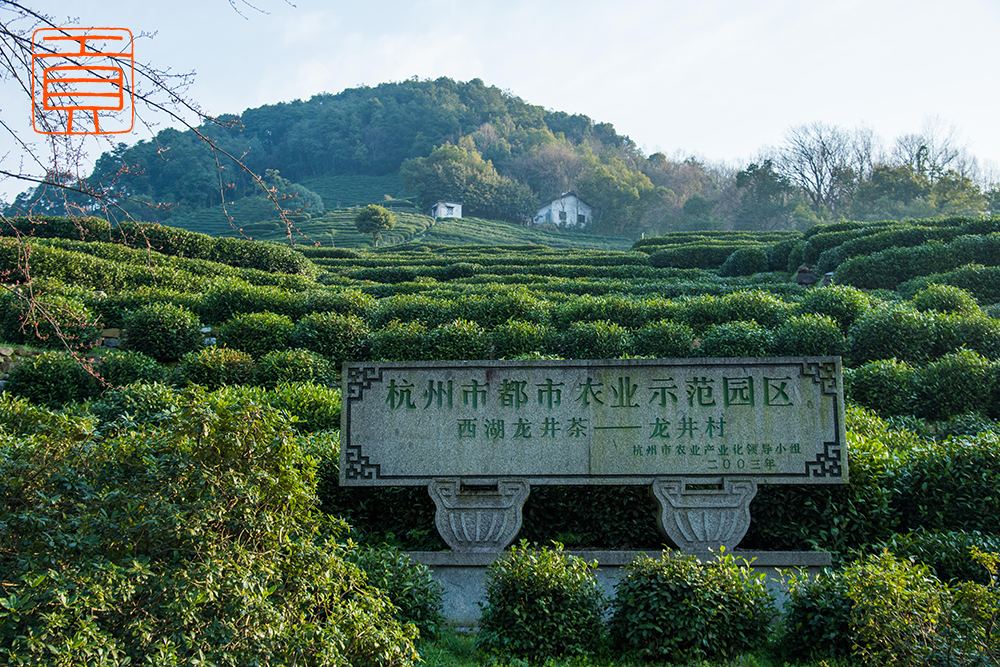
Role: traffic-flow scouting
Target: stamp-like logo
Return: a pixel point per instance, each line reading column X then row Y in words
column 82, row 81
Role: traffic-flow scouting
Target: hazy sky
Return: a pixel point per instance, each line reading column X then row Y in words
column 716, row 78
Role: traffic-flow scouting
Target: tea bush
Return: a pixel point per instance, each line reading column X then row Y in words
column 737, row 339
column 595, row 340
column 113, row 308
column 890, row 331
column 399, row 342
column 946, row 552
column 214, row 367
column 339, row 337
column 316, row 407
column 516, row 338
column 665, row 339
column 256, row 333
column 342, row 302
column 49, row 321
column 540, row 604
column 228, row 297
column 955, row 384
column 817, row 618
column 407, row 583
column 809, row 335
column 133, row 406
column 163, row 331
column 121, row 368
column 887, row 386
column 51, row 379
column 675, row 608
column 430, row 312
column 946, row 299
column 843, row 303
column 461, row 339
column 977, row 332
column 745, row 262
column 296, row 365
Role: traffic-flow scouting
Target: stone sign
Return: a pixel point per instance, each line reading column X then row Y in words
column 702, row 433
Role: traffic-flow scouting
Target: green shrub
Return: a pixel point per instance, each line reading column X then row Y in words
column 955, row 384
column 498, row 306
column 407, row 583
column 113, row 308
column 675, row 608
column 516, row 338
column 430, row 312
column 737, row 339
column 339, row 337
column 257, row 333
column 745, row 262
column 843, row 303
column 890, row 331
column 214, row 367
column 953, row 331
column 665, row 339
column 229, row 297
column 946, row 552
column 292, row 366
column 596, row 340
column 342, row 302
column 316, row 407
column 817, row 618
column 887, row 386
column 540, row 604
column 809, row 335
column 121, row 368
column 49, row 320
column 946, row 299
column 399, row 342
column 51, row 379
column 162, row 331
column 134, row 405
column 461, row 339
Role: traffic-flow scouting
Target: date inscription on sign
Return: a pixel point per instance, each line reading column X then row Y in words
column 777, row 420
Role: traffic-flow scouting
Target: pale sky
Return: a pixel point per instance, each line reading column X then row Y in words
column 719, row 79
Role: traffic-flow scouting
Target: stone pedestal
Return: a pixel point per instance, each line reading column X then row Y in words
column 698, row 515
column 480, row 517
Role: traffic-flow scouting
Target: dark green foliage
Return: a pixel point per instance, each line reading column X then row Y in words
column 981, row 281
column 257, row 333
column 230, row 297
column 809, row 335
column 946, row 299
column 133, row 406
column 737, row 339
column 817, row 618
column 163, row 331
column 540, row 604
column 665, row 339
column 342, row 302
column 517, row 338
column 956, row 383
column 843, row 303
column 693, row 256
column 457, row 340
column 953, row 485
column 758, row 306
column 316, row 407
column 595, row 340
column 374, row 219
column 49, row 320
column 295, row 365
column 121, row 368
column 114, row 307
column 415, row 308
column 497, row 306
column 675, row 608
column 407, row 583
column 214, row 367
column 890, row 331
column 51, row 379
column 953, row 331
column 745, row 262
column 608, row 517
column 339, row 337
column 194, row 541
column 887, row 386
column 399, row 342
column 947, row 552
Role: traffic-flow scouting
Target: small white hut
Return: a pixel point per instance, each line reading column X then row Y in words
column 446, row 209
column 567, row 211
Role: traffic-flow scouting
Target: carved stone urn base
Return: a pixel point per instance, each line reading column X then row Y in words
column 697, row 515
column 478, row 517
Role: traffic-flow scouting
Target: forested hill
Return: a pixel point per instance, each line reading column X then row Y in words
column 410, row 143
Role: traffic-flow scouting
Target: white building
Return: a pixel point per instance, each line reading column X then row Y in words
column 446, row 209
column 567, row 211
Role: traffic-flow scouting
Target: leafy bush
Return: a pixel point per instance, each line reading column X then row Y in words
column 817, row 618
column 408, row 585
column 665, row 339
column 953, row 331
column 163, row 331
column 461, row 339
column 843, row 303
column 676, row 608
column 745, row 262
column 540, row 604
column 737, row 339
column 229, row 297
column 946, row 552
column 809, row 335
column 946, row 299
column 339, row 337
column 316, row 407
column 50, row 320
column 887, row 386
column 121, row 368
column 292, row 366
column 51, row 379
column 214, row 367
column 399, row 342
column 257, row 333
column 890, row 331
column 596, row 340
column 516, row 338
column 133, row 406
column 955, row 384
